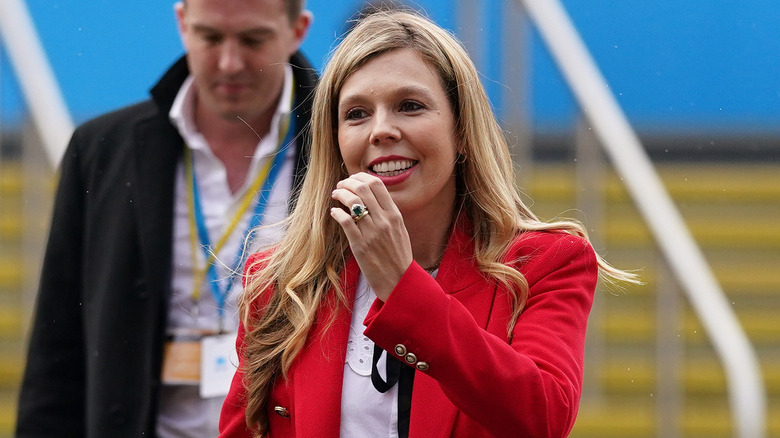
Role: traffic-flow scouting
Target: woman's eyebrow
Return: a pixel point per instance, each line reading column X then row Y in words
column 402, row 91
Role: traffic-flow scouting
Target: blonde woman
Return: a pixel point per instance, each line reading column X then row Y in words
column 414, row 293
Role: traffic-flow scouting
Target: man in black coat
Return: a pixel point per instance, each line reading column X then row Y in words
column 122, row 259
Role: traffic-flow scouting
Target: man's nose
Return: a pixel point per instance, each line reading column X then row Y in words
column 230, row 59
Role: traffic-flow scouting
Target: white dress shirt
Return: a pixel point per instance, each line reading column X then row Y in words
column 182, row 412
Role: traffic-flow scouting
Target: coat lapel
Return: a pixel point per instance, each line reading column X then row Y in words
column 433, row 415
column 320, row 369
column 459, row 276
column 157, row 150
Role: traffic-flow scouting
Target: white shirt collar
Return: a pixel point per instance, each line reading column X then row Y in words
column 182, row 111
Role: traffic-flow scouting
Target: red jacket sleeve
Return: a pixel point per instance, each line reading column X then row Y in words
column 529, row 387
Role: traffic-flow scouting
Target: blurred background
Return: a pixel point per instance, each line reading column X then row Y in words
column 697, row 81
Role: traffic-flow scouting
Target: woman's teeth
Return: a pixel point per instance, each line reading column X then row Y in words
column 392, row 168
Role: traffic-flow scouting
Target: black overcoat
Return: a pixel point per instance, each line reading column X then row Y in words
column 95, row 351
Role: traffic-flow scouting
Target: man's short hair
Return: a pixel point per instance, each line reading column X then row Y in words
column 294, row 8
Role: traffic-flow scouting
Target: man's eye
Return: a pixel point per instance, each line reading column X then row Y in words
column 252, row 42
column 212, row 38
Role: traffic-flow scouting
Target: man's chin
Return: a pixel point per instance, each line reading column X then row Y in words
column 241, row 112
column 234, row 113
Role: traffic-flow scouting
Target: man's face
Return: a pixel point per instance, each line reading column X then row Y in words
column 236, row 51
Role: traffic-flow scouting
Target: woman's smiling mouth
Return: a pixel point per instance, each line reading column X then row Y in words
column 392, row 168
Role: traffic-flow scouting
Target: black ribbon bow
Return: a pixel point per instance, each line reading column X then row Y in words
column 396, row 372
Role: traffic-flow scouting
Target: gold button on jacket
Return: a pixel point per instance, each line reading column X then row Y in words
column 282, row 411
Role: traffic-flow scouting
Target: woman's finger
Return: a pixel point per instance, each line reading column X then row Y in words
column 370, row 189
column 360, row 194
column 349, row 226
column 379, row 240
column 352, row 191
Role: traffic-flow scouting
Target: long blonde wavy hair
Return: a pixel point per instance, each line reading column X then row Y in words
column 303, row 271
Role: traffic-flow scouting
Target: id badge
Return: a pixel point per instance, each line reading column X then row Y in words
column 181, row 362
column 218, row 363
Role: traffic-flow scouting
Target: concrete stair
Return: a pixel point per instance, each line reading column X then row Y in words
column 11, row 279
column 733, row 211
column 25, row 203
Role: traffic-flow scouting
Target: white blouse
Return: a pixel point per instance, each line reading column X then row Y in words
column 364, row 410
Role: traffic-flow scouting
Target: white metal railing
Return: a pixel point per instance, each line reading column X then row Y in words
column 36, row 79
column 747, row 396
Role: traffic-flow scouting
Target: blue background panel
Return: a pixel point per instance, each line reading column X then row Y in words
column 674, row 66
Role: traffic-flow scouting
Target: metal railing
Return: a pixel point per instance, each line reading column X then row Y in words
column 747, row 396
column 36, row 79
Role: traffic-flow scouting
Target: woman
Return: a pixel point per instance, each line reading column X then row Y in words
column 414, row 293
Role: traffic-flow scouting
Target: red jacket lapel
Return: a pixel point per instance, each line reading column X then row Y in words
column 318, row 373
column 432, row 412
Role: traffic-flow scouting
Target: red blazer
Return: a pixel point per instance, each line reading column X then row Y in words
column 477, row 383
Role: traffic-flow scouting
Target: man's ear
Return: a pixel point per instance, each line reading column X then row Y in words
column 301, row 27
column 179, row 10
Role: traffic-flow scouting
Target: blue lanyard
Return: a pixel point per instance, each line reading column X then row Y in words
column 219, row 292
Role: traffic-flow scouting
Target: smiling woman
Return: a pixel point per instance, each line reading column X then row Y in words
column 396, row 123
column 441, row 306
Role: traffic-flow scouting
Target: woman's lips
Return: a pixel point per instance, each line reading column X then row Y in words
column 392, row 167
column 393, row 171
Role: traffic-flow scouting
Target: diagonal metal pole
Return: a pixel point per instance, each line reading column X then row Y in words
column 747, row 395
column 36, row 78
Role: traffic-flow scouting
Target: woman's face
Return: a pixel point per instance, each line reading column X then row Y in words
column 395, row 122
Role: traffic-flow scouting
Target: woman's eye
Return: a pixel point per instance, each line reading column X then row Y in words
column 411, row 105
column 355, row 113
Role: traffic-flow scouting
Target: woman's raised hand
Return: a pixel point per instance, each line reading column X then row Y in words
column 378, row 240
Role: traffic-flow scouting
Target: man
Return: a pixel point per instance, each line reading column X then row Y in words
column 137, row 293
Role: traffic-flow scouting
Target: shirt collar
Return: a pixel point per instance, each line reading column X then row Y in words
column 183, row 108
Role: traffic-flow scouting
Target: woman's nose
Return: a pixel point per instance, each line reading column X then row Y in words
column 384, row 129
